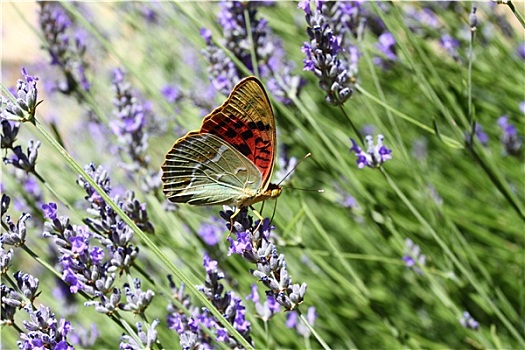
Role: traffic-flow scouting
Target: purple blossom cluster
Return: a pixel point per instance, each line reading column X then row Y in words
column 292, row 321
column 386, row 45
column 328, row 55
column 413, row 257
column 265, row 310
column 42, row 329
column 270, row 59
column 92, row 268
column 147, row 338
column 252, row 242
column 130, row 121
column 511, row 141
column 10, row 117
column 468, row 321
column 187, row 320
column 22, row 161
column 375, row 155
column 131, row 125
column 26, row 97
column 67, row 51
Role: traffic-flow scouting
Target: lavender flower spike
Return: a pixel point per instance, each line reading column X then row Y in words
column 26, row 100
column 375, row 155
column 468, row 321
column 253, row 243
column 512, row 142
column 327, row 24
column 270, row 59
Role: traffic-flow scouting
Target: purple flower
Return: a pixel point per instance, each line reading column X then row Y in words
column 254, row 296
column 349, row 202
column 67, row 51
column 512, row 142
column 520, row 50
column 209, row 264
column 22, row 161
column 420, row 19
column 206, row 35
column 291, row 319
column 450, row 45
column 468, row 321
column 96, row 254
column 9, row 133
column 26, row 96
column 190, row 327
column 241, row 244
column 376, row 154
column 327, row 24
column 174, row 321
column 305, row 6
column 78, row 245
column 482, row 136
column 50, row 210
column 252, row 242
column 386, row 45
column 171, row 93
column 270, row 56
column 71, row 278
column 85, row 337
column 130, row 123
column 413, row 257
column 267, row 310
column 210, row 233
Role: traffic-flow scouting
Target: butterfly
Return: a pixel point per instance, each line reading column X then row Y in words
column 230, row 160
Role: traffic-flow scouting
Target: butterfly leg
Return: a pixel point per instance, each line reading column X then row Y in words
column 258, row 216
column 237, row 211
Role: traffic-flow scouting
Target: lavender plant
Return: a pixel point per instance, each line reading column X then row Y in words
column 252, row 42
column 252, row 242
column 41, row 328
column 67, row 50
column 188, row 319
column 328, row 25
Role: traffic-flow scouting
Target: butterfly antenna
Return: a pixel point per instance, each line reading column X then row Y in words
column 320, row 190
column 308, row 155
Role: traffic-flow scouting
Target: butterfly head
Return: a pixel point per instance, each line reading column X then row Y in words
column 273, row 191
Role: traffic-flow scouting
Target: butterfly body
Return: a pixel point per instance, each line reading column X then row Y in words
column 229, row 161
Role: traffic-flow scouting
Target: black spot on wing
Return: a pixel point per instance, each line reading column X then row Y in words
column 247, row 134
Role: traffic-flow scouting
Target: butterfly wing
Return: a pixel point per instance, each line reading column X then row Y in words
column 246, row 121
column 202, row 169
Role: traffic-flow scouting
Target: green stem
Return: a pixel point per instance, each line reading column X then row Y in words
column 477, row 285
column 309, row 326
column 471, row 117
column 449, row 141
column 353, row 127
